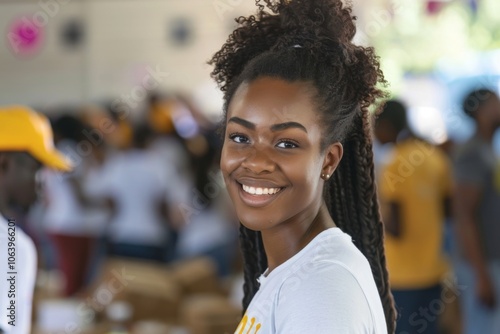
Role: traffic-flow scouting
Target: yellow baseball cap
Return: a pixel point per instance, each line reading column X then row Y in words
column 22, row 129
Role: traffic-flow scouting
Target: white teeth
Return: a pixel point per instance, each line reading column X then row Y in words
column 260, row 191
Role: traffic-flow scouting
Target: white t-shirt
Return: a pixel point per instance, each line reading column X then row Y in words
column 172, row 153
column 327, row 287
column 137, row 181
column 64, row 214
column 22, row 272
column 205, row 230
column 96, row 217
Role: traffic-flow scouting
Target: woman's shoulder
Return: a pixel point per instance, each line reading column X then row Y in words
column 338, row 277
column 331, row 257
column 336, row 248
column 331, row 254
column 331, row 295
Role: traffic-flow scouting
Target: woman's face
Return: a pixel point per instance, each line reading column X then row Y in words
column 271, row 159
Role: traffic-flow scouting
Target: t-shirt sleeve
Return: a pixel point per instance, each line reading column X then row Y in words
column 27, row 261
column 328, row 301
column 469, row 168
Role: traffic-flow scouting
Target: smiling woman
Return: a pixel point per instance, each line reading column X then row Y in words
column 298, row 167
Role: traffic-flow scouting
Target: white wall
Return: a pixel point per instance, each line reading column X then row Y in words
column 51, row 74
column 123, row 39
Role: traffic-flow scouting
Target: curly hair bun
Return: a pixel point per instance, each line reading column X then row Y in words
column 317, row 22
column 322, row 28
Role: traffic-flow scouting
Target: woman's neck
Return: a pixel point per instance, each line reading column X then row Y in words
column 287, row 239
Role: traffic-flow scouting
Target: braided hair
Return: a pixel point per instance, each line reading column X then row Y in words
column 311, row 41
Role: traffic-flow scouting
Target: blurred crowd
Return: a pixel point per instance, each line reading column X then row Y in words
column 441, row 208
column 145, row 186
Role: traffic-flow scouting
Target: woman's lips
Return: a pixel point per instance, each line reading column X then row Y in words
column 257, row 196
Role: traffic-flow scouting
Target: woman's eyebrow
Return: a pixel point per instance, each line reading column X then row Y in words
column 242, row 122
column 288, row 125
column 274, row 127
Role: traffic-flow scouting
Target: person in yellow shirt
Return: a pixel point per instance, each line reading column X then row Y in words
column 414, row 190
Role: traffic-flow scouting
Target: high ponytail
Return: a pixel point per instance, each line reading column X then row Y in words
column 311, row 41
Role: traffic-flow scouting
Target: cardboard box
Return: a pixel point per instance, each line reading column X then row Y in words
column 97, row 329
column 49, row 286
column 155, row 327
column 196, row 276
column 147, row 286
column 209, row 314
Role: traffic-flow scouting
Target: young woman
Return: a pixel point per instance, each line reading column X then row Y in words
column 297, row 162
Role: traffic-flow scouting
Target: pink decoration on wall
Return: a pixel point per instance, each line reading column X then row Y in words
column 24, row 37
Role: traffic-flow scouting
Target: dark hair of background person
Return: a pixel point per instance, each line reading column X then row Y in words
column 394, row 112
column 202, row 166
column 69, row 127
column 311, row 41
column 474, row 100
column 142, row 136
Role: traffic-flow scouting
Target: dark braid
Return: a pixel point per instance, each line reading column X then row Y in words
column 311, row 41
column 355, row 174
column 255, row 261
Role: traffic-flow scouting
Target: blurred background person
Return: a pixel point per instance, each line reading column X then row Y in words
column 139, row 189
column 25, row 146
column 71, row 216
column 477, row 215
column 170, row 148
column 415, row 187
column 211, row 227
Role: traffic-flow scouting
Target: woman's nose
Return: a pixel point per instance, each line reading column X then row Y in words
column 259, row 161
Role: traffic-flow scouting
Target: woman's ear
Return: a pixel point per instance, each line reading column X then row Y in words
column 333, row 155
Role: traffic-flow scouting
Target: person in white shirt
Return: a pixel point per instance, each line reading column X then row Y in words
column 210, row 228
column 25, row 146
column 69, row 217
column 144, row 196
column 297, row 162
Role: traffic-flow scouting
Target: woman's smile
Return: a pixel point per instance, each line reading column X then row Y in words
column 260, row 191
column 254, row 195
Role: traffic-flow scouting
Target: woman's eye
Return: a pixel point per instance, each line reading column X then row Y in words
column 239, row 138
column 287, row 144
